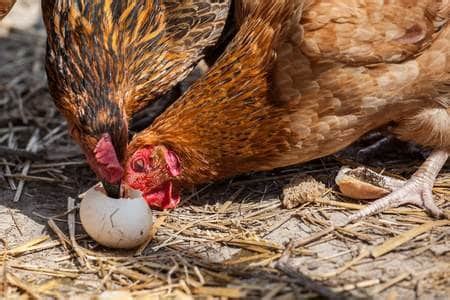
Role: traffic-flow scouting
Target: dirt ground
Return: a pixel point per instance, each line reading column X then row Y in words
column 227, row 238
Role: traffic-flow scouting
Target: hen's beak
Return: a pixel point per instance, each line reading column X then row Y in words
column 112, row 190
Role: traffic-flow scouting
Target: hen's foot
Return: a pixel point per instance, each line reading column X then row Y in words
column 417, row 190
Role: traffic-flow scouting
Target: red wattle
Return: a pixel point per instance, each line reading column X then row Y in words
column 163, row 197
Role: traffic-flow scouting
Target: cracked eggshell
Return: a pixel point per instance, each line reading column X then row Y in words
column 123, row 223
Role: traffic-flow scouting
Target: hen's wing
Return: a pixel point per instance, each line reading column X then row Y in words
column 5, row 6
column 133, row 50
column 193, row 25
column 335, row 42
column 362, row 32
column 348, row 67
column 189, row 27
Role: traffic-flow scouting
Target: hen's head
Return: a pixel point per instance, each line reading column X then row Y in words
column 153, row 170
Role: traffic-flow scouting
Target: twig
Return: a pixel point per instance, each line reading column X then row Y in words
column 6, row 151
column 59, row 233
column 5, row 268
column 60, row 164
column 11, row 144
column 390, row 283
column 22, row 177
column 220, row 292
column 23, row 248
column 81, row 256
column 398, row 240
column 313, row 237
column 14, row 280
column 359, row 285
column 32, row 146
column 10, row 180
column 51, row 272
column 36, row 248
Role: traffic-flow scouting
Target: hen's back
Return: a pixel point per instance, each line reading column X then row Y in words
column 364, row 32
column 348, row 67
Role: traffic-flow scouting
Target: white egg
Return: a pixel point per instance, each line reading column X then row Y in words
column 116, row 223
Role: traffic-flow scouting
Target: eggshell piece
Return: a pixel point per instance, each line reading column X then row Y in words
column 355, row 188
column 123, row 223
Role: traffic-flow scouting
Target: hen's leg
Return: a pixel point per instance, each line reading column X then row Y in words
column 417, row 190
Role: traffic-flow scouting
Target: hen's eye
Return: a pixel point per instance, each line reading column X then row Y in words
column 138, row 166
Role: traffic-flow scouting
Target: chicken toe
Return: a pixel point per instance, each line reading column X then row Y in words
column 417, row 190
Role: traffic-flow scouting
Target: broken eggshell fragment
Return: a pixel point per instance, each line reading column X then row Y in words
column 365, row 184
column 122, row 223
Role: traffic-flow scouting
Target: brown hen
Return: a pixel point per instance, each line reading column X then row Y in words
column 108, row 59
column 342, row 69
column 5, row 7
